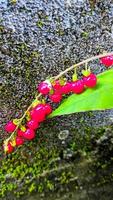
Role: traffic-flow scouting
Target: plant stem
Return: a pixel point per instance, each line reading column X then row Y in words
column 82, row 63
column 55, row 78
column 21, row 119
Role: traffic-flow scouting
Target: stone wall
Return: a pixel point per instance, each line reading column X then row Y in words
column 39, row 39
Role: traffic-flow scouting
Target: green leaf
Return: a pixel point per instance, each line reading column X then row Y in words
column 98, row 98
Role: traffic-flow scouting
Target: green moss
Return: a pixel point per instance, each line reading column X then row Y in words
column 13, row 168
column 65, row 177
column 32, row 187
column 40, row 188
column 49, row 185
column 29, row 169
column 40, row 23
column 85, row 34
column 1, row 28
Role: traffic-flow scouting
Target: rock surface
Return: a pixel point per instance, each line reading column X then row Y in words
column 42, row 38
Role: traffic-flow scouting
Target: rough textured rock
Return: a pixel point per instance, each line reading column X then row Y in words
column 42, row 38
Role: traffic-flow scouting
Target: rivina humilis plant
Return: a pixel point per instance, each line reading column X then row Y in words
column 91, row 92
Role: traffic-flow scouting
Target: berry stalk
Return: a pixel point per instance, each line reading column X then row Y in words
column 20, row 121
column 82, row 63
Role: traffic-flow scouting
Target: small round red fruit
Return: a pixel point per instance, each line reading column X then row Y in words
column 57, row 85
column 107, row 61
column 20, row 133
column 90, row 81
column 10, row 127
column 33, row 124
column 65, row 89
column 8, row 148
column 38, row 113
column 77, row 87
column 29, row 134
column 44, row 88
column 19, row 141
column 56, row 97
column 48, row 109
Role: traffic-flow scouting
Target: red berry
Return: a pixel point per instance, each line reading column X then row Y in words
column 77, row 87
column 107, row 61
column 19, row 141
column 20, row 133
column 44, row 88
column 90, row 81
column 66, row 88
column 9, row 148
column 38, row 113
column 29, row 134
column 48, row 109
column 57, row 85
column 32, row 124
column 56, row 97
column 10, row 127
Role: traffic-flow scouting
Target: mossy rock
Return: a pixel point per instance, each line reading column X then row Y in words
column 39, row 39
column 72, row 164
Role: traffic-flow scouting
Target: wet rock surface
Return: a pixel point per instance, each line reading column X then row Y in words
column 40, row 39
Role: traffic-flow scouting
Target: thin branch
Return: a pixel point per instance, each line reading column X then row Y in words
column 82, row 63
column 21, row 119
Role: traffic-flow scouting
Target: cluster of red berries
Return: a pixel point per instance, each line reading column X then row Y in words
column 37, row 115
column 58, row 90
column 39, row 111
